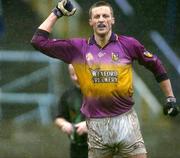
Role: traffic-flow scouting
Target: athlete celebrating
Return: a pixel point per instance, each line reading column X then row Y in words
column 103, row 65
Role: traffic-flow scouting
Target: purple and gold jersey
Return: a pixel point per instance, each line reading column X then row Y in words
column 104, row 74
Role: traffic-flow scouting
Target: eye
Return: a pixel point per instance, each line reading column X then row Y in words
column 106, row 16
column 96, row 16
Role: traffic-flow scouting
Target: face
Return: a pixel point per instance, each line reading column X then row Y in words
column 101, row 20
column 73, row 75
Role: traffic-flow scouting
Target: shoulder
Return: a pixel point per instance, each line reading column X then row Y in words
column 128, row 40
column 78, row 45
column 132, row 46
column 78, row 41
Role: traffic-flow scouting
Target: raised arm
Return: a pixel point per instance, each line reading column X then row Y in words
column 56, row 48
column 63, row 8
column 48, row 24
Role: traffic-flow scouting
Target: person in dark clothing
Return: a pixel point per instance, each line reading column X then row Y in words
column 71, row 121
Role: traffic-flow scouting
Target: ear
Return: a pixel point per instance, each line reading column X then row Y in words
column 90, row 22
column 113, row 20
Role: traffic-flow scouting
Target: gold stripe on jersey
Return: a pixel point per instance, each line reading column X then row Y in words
column 105, row 80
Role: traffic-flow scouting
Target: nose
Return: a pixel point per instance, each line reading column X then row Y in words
column 101, row 18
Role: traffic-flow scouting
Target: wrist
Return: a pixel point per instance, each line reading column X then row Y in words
column 57, row 12
column 171, row 99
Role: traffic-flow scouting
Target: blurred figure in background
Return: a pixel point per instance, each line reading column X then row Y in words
column 70, row 119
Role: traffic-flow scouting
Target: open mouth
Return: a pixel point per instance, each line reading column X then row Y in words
column 101, row 26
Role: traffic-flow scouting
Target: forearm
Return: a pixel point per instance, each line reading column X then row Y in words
column 166, row 88
column 48, row 24
column 60, row 122
column 63, row 8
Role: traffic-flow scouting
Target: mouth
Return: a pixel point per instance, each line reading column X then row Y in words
column 101, row 26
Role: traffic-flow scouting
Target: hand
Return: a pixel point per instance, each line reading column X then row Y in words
column 81, row 128
column 170, row 108
column 64, row 8
column 67, row 128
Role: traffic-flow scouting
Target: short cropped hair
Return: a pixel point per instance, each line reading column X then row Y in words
column 99, row 4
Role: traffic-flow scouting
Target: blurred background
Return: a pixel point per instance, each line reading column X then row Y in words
column 31, row 83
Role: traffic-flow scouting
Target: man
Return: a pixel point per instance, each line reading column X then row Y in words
column 70, row 120
column 103, row 65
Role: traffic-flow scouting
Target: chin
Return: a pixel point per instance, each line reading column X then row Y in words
column 101, row 33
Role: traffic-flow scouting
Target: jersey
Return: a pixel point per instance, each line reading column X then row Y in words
column 104, row 73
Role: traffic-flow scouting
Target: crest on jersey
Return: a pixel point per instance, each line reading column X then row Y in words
column 115, row 56
column 89, row 56
column 101, row 54
column 148, row 54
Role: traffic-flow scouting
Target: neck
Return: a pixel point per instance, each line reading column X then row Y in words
column 102, row 40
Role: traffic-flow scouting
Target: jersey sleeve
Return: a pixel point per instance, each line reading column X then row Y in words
column 150, row 61
column 65, row 50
